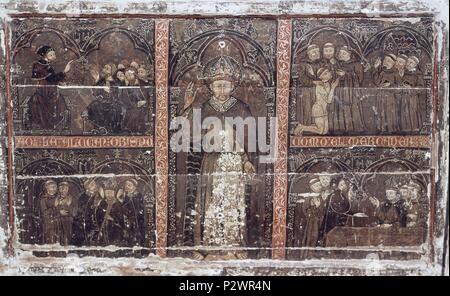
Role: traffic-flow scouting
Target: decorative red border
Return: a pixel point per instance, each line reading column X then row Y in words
column 361, row 141
column 161, row 132
column 280, row 169
column 82, row 142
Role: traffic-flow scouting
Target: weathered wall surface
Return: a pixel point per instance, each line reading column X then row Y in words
column 89, row 183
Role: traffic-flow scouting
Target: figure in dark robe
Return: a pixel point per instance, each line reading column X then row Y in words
column 49, row 213
column 393, row 212
column 385, row 78
column 314, row 208
column 109, row 217
column 414, row 96
column 92, row 224
column 48, row 109
column 306, row 94
column 337, row 208
column 402, row 95
column 416, row 210
column 106, row 112
column 327, row 194
column 67, row 208
column 135, row 100
column 134, row 215
column 346, row 115
column 84, row 226
column 220, row 203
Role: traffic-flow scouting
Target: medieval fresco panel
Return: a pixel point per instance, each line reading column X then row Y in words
column 361, row 77
column 360, row 119
column 122, row 140
column 83, row 77
column 359, row 200
column 83, row 106
column 220, row 202
column 86, row 111
column 85, row 198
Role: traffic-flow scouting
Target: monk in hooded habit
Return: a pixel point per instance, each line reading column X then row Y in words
column 49, row 213
column 416, row 96
column 134, row 215
column 314, row 209
column 347, row 115
column 220, row 204
column 109, row 216
column 402, row 95
column 394, row 211
column 338, row 207
column 385, row 77
column 85, row 227
column 106, row 112
column 47, row 107
column 67, row 208
column 416, row 211
column 135, row 98
column 306, row 77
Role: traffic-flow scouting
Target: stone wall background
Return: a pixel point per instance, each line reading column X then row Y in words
column 24, row 263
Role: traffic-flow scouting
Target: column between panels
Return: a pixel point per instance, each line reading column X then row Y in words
column 284, row 37
column 161, row 132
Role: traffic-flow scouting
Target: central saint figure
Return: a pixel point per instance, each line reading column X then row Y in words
column 220, row 202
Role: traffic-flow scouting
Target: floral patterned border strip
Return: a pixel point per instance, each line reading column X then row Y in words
column 82, row 142
column 161, row 132
column 280, row 171
column 361, row 141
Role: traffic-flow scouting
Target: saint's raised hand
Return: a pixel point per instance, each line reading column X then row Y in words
column 67, row 68
column 189, row 96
